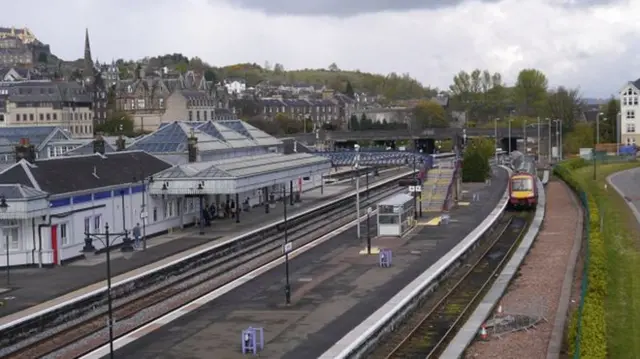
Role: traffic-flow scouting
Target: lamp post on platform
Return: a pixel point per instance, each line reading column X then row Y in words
column 287, row 248
column 4, row 206
column 90, row 249
column 357, row 166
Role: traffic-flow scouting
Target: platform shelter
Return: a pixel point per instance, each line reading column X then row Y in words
column 246, row 181
column 395, row 215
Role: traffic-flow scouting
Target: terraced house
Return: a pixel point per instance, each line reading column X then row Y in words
column 33, row 103
column 146, row 98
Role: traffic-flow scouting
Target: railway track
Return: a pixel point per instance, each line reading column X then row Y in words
column 427, row 331
column 90, row 331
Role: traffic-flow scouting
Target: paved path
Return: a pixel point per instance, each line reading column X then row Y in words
column 333, row 289
column 34, row 286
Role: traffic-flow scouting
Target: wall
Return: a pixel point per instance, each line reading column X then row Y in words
column 109, row 210
column 78, row 121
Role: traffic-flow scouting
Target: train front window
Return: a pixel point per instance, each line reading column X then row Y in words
column 522, row 184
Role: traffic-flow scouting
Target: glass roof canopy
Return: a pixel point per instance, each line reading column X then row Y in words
column 212, row 135
column 237, row 175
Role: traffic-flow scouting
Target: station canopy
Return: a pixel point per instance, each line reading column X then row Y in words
column 236, row 175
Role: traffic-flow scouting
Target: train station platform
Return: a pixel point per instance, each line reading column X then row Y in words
column 35, row 289
column 334, row 288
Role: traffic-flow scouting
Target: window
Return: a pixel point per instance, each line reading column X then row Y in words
column 205, row 115
column 17, row 118
column 48, row 117
column 31, row 117
column 191, row 205
column 97, row 223
column 198, row 115
column 55, row 116
column 631, row 127
column 190, row 115
column 24, row 117
column 87, row 224
column 62, row 233
column 631, row 114
column 10, row 235
column 624, row 101
column 155, row 214
column 635, row 100
column 212, row 116
column 522, row 184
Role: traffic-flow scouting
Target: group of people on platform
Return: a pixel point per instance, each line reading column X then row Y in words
column 223, row 210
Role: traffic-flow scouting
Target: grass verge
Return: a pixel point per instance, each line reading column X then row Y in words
column 611, row 314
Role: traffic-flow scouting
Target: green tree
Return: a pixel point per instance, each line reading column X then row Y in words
column 582, row 136
column 288, row 125
column 475, row 161
column 43, row 58
column 430, row 114
column 530, row 92
column 609, row 128
column 210, row 75
column 182, row 67
column 566, row 104
column 117, row 123
column 354, row 124
column 349, row 90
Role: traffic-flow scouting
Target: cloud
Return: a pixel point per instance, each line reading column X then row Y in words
column 588, row 46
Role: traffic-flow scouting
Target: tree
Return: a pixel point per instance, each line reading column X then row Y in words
column 278, row 68
column 265, row 125
column 580, row 137
column 609, row 128
column 354, row 125
column 480, row 94
column 333, row 67
column 530, row 92
column 182, row 67
column 565, row 104
column 430, row 114
column 349, row 90
column 288, row 125
column 117, row 123
column 475, row 161
column 210, row 75
column 43, row 58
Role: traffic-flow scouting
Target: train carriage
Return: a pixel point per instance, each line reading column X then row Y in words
column 523, row 192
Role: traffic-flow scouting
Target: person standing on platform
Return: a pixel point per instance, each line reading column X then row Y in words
column 136, row 235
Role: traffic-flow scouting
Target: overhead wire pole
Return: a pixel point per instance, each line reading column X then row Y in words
column 357, row 165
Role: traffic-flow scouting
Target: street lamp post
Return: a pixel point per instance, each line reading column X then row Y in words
column 287, row 248
column 4, row 206
column 357, row 166
column 560, row 151
column 598, row 128
column 144, row 215
column 510, row 119
column 415, row 192
column 89, row 248
column 549, row 141
column 538, row 140
column 495, row 134
column 524, row 137
column 618, row 130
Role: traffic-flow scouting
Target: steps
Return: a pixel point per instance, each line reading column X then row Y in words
column 434, row 190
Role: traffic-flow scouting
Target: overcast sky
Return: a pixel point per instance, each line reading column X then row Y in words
column 592, row 44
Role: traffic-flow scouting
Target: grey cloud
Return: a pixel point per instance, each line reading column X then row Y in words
column 343, row 8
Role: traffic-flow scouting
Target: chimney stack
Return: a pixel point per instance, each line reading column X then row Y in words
column 26, row 151
column 120, row 143
column 98, row 144
column 192, row 148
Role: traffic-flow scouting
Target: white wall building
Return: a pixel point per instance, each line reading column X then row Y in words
column 51, row 203
column 630, row 113
column 236, row 86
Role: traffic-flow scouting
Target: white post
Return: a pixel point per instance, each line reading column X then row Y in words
column 495, row 124
column 538, row 139
column 357, row 165
column 549, row 140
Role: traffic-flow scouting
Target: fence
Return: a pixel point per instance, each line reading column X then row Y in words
column 584, row 285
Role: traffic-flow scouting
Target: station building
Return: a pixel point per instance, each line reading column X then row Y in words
column 161, row 181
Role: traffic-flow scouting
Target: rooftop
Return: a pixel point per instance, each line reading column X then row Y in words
column 81, row 173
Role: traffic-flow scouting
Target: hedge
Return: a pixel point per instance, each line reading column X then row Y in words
column 587, row 330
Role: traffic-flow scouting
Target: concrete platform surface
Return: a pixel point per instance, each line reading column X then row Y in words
column 334, row 288
column 33, row 289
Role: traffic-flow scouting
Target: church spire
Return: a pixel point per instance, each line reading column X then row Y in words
column 88, row 62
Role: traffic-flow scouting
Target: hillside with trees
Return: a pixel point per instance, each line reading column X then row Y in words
column 392, row 86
